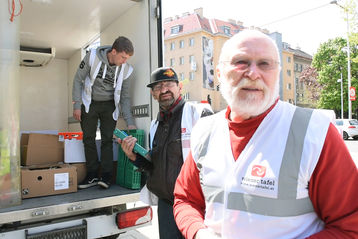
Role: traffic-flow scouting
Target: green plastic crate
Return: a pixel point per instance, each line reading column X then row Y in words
column 127, row 174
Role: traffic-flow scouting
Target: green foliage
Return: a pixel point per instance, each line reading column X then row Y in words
column 330, row 61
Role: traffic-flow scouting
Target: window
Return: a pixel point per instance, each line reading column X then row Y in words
column 181, row 60
column 296, row 81
column 288, row 59
column 181, row 44
column 172, row 62
column 175, row 29
column 191, row 58
column 191, row 75
column 289, row 72
column 339, row 122
column 288, row 86
column 172, row 46
column 186, row 96
column 296, row 67
column 227, row 30
column 191, row 41
column 301, row 67
column 181, row 76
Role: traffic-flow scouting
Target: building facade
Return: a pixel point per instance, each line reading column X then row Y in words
column 301, row 60
column 192, row 45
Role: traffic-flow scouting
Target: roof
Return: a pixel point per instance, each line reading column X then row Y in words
column 299, row 53
column 194, row 22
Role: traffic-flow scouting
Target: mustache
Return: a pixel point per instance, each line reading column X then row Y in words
column 247, row 83
column 167, row 92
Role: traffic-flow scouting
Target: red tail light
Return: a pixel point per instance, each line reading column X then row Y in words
column 134, row 217
column 351, row 127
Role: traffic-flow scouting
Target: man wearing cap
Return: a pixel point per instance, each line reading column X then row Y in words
column 169, row 144
column 100, row 91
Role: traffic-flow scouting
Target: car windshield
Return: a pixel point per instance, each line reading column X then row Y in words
column 339, row 122
column 353, row 122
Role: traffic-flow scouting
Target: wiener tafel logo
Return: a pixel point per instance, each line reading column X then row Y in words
column 168, row 73
column 258, row 171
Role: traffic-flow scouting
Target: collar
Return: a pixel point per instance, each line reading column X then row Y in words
column 249, row 121
column 164, row 115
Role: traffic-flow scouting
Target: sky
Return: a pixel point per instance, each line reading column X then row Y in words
column 303, row 23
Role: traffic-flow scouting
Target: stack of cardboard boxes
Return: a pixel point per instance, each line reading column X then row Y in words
column 54, row 163
column 43, row 170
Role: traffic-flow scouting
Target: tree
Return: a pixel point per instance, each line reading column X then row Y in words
column 329, row 62
column 310, row 78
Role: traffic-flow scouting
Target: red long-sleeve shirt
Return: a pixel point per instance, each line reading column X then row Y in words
column 333, row 188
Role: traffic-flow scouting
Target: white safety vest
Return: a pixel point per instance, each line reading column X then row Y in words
column 191, row 114
column 264, row 193
column 95, row 63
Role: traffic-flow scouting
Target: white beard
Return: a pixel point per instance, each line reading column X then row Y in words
column 253, row 104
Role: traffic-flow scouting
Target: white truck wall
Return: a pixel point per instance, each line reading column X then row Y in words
column 46, row 92
column 134, row 25
column 43, row 97
column 73, row 64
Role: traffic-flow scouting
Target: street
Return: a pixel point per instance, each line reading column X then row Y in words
column 353, row 149
column 151, row 232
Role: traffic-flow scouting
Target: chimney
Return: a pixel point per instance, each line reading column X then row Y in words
column 168, row 19
column 232, row 21
column 266, row 31
column 239, row 23
column 199, row 11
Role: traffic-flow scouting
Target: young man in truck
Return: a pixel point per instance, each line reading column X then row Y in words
column 100, row 91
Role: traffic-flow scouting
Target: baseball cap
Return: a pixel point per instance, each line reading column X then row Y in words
column 162, row 74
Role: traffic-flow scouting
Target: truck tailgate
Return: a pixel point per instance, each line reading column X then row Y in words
column 82, row 200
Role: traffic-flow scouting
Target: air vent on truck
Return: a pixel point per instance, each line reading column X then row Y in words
column 35, row 57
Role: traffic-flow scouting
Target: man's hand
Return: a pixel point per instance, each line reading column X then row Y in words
column 77, row 114
column 132, row 127
column 127, row 145
column 206, row 233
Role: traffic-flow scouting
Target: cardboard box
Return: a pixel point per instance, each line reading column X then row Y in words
column 81, row 171
column 37, row 149
column 75, row 153
column 48, row 180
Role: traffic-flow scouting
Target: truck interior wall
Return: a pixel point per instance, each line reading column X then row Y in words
column 73, row 63
column 134, row 25
column 43, row 97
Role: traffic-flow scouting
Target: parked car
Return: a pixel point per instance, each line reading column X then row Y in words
column 349, row 128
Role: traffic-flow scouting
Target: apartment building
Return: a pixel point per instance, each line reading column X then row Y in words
column 192, row 44
column 288, row 85
column 300, row 61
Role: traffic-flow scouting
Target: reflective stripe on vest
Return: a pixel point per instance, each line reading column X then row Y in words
column 286, row 203
column 95, row 63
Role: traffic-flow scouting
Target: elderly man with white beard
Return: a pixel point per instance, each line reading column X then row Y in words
column 264, row 168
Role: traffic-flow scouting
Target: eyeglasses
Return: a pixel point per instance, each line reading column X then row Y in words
column 244, row 64
column 160, row 86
